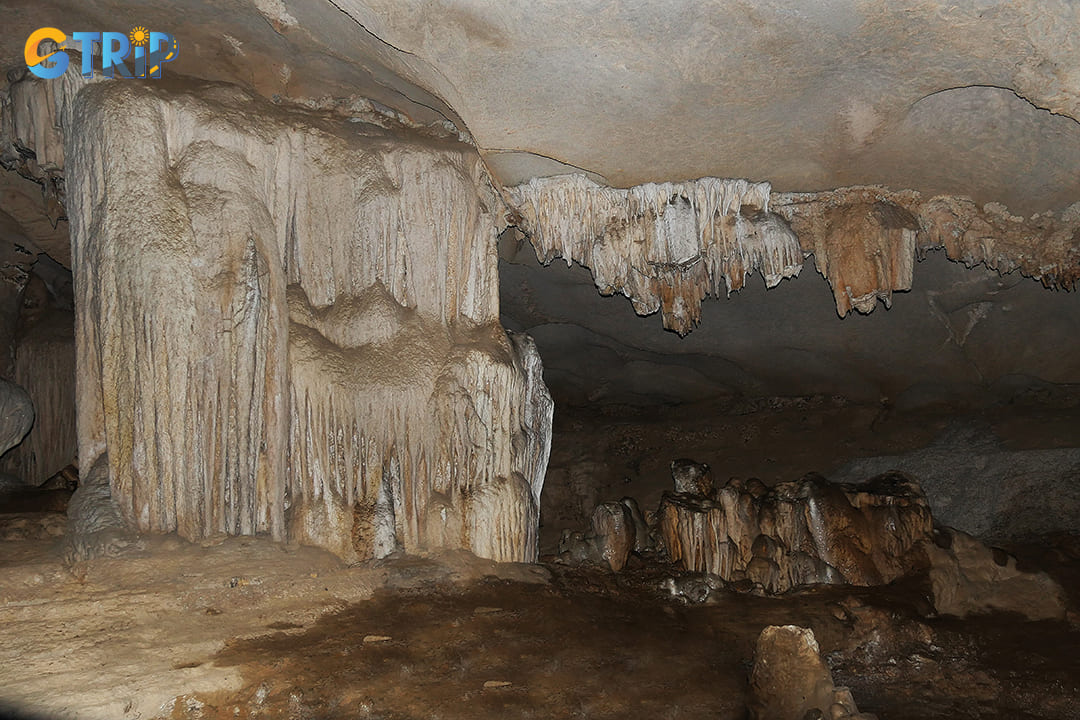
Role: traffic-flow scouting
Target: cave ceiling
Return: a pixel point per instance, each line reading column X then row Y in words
column 974, row 98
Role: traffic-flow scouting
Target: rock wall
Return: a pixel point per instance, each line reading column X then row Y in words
column 287, row 323
column 975, row 483
column 45, row 367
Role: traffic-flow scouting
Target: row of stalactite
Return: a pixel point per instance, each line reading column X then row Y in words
column 668, row 246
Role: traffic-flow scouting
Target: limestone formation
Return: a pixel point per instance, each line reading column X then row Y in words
column 789, row 680
column 691, row 477
column 612, row 536
column 799, row 533
column 865, row 239
column 95, row 527
column 613, row 528
column 643, row 540
column 967, row 577
column 45, row 367
column 665, row 246
column 284, row 314
column 977, row 484
column 668, row 246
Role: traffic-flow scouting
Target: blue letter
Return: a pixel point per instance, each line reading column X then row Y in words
column 163, row 49
column 87, row 40
column 114, row 48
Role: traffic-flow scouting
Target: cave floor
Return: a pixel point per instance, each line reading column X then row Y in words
column 184, row 633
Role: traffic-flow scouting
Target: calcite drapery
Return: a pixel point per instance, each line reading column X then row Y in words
column 288, row 319
column 45, row 366
column 665, row 246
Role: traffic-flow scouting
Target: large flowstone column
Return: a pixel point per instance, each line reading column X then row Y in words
column 287, row 324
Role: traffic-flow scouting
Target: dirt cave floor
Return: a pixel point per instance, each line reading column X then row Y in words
column 183, row 632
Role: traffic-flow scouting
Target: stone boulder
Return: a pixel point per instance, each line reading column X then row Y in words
column 16, row 415
column 967, row 577
column 790, row 681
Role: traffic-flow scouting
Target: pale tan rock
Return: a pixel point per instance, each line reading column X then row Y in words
column 866, row 252
column 788, row 679
column 614, row 533
column 668, row 246
column 665, row 246
column 249, row 348
column 967, row 578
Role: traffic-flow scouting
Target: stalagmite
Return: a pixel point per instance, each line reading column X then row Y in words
column 288, row 324
column 665, row 246
column 790, row 681
column 95, row 527
column 799, row 533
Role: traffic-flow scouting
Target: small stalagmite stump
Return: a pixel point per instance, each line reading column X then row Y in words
column 791, row 682
column 614, row 533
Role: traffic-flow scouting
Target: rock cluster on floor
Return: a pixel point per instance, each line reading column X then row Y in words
column 747, row 537
column 798, row 533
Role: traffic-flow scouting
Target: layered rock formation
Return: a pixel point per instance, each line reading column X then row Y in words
column 288, row 324
column 799, row 533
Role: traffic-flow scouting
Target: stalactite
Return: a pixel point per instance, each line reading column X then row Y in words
column 376, row 385
column 866, row 251
column 668, row 246
column 865, row 240
column 1045, row 247
column 665, row 246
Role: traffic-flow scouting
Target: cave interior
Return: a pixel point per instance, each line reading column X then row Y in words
column 469, row 359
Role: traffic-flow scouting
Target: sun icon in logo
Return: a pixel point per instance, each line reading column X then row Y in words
column 139, row 36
